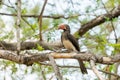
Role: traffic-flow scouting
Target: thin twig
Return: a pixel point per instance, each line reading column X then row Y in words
column 7, row 5
column 28, row 24
column 104, row 7
column 11, row 5
column 40, row 20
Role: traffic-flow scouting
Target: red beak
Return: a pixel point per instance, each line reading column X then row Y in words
column 61, row 27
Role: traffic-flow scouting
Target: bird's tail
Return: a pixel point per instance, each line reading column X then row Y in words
column 82, row 66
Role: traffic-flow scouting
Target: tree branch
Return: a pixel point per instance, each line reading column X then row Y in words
column 18, row 25
column 30, row 45
column 40, row 57
column 99, row 20
column 55, row 67
column 46, row 16
column 30, row 59
column 40, row 20
column 95, row 70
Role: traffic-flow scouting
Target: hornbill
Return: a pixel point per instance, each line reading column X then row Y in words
column 71, row 44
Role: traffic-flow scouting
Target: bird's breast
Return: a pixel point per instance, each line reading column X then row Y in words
column 68, row 45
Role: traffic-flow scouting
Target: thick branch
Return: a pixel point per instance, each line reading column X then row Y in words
column 99, row 20
column 30, row 59
column 30, row 45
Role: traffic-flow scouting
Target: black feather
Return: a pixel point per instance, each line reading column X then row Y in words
column 74, row 41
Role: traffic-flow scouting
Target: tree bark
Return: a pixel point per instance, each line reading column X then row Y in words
column 30, row 59
column 99, row 20
column 30, row 45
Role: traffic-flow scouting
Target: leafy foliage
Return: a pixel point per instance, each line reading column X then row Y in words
column 99, row 40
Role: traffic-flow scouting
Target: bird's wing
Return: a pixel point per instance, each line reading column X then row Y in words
column 73, row 41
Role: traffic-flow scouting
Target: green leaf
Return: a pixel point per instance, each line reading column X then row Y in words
column 34, row 26
column 112, row 68
column 40, row 48
column 24, row 11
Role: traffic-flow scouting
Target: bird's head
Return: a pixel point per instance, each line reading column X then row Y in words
column 64, row 27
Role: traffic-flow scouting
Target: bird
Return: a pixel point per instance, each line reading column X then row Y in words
column 71, row 44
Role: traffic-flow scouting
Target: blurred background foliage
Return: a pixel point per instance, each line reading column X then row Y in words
column 102, row 39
